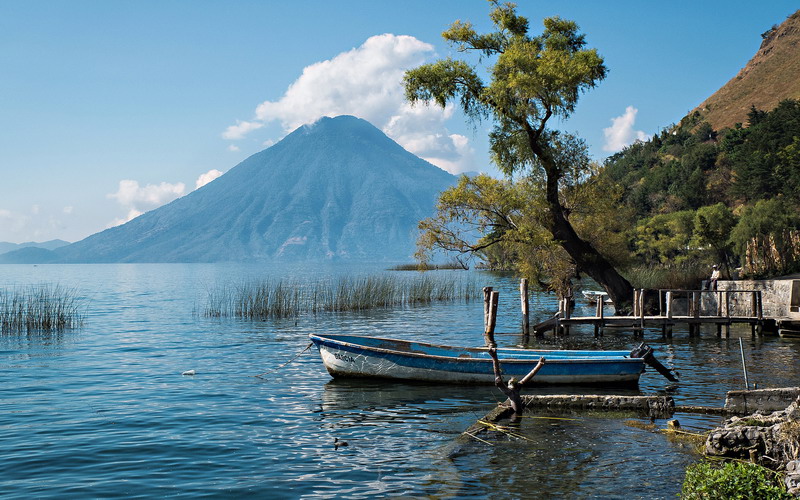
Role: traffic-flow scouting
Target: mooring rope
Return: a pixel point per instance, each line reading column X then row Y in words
column 261, row 375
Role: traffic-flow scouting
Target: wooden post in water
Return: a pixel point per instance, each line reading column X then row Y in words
column 641, row 309
column 492, row 320
column 759, row 315
column 523, row 298
column 668, row 323
column 728, row 313
column 487, row 294
column 695, row 327
column 564, row 330
column 635, row 302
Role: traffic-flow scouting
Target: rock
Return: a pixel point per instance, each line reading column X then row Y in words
column 792, row 479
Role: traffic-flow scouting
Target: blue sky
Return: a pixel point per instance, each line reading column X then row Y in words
column 111, row 108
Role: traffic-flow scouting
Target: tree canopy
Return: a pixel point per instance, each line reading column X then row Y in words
column 531, row 80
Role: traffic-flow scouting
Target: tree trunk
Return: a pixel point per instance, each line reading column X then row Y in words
column 586, row 257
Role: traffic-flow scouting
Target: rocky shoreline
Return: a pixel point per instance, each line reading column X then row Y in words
column 770, row 440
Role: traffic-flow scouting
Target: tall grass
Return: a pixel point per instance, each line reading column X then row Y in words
column 424, row 266
column 40, row 308
column 268, row 299
column 685, row 276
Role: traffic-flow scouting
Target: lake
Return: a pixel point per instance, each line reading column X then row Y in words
column 105, row 411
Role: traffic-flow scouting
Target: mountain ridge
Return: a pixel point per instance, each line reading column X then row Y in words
column 335, row 189
column 770, row 76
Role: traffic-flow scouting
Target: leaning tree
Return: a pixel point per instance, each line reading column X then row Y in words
column 523, row 83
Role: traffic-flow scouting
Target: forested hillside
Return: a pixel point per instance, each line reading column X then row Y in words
column 731, row 196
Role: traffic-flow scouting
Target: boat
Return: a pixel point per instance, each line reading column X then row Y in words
column 375, row 357
column 592, row 296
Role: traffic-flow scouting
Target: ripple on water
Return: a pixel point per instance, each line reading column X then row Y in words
column 105, row 411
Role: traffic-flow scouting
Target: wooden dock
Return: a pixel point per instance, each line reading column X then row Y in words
column 693, row 308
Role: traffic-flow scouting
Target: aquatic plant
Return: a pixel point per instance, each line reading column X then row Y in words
column 732, row 480
column 425, row 266
column 40, row 308
column 271, row 299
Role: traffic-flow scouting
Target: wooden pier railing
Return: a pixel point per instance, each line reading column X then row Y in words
column 691, row 307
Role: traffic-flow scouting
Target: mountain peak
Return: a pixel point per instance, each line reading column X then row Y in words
column 770, row 77
column 335, row 189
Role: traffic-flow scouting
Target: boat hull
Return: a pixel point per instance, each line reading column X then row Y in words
column 345, row 357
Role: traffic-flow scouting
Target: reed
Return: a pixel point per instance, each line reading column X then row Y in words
column 687, row 276
column 423, row 266
column 40, row 309
column 270, row 299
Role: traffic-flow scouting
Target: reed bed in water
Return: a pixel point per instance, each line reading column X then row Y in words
column 41, row 308
column 278, row 299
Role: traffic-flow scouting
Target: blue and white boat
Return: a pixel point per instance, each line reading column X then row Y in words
column 361, row 356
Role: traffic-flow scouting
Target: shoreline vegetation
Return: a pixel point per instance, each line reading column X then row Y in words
column 453, row 265
column 287, row 299
column 40, row 309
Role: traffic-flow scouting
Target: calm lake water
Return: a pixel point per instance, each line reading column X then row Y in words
column 105, row 412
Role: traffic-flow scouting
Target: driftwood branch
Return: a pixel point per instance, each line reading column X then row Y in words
column 511, row 390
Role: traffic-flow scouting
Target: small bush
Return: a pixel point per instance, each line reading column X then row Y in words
column 743, row 480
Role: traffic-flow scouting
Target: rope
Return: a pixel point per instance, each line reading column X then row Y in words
column 261, row 375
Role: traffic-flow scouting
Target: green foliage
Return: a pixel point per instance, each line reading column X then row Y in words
column 690, row 168
column 531, row 79
column 712, row 228
column 739, row 480
column 767, row 238
column 502, row 222
column 767, row 218
column 664, row 238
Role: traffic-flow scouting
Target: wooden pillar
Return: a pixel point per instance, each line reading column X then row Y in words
column 641, row 310
column 567, row 314
column 728, row 304
column 492, row 320
column 669, row 304
column 487, row 294
column 754, row 303
column 635, row 302
column 523, row 299
column 669, row 314
column 759, row 308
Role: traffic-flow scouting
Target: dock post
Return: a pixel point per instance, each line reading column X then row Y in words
column 635, row 302
column 641, row 308
column 567, row 314
column 523, row 298
column 760, row 309
column 487, row 294
column 754, row 303
column 669, row 304
column 669, row 313
column 728, row 313
column 492, row 320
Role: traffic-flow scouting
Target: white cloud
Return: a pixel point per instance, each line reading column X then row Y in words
column 241, row 129
column 206, row 178
column 621, row 133
column 367, row 82
column 68, row 209
column 137, row 200
column 233, row 147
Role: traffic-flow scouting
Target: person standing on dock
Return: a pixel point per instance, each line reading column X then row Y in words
column 712, row 282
